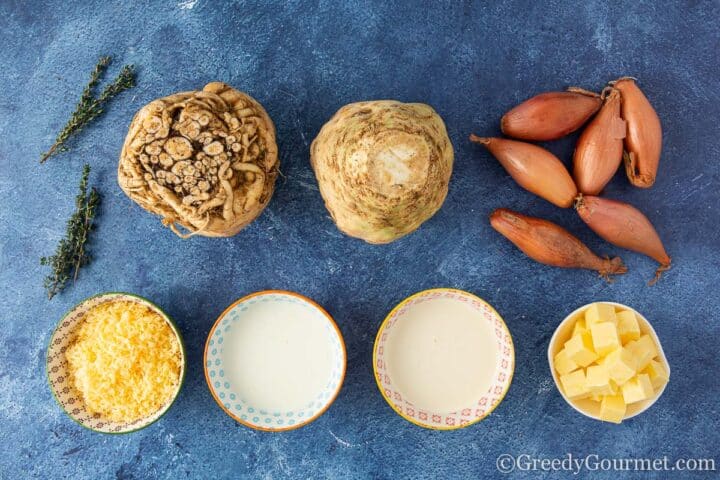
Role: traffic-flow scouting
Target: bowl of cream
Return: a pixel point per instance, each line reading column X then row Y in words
column 443, row 359
column 274, row 360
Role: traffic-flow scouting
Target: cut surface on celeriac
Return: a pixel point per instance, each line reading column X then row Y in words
column 383, row 168
column 203, row 160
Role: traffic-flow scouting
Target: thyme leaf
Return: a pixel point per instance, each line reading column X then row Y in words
column 89, row 107
column 71, row 254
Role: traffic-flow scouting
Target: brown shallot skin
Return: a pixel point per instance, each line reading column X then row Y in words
column 599, row 150
column 625, row 226
column 643, row 142
column 533, row 168
column 550, row 244
column 550, row 115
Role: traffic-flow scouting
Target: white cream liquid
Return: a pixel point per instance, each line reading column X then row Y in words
column 278, row 356
column 441, row 355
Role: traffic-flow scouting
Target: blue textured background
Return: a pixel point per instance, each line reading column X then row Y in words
column 303, row 61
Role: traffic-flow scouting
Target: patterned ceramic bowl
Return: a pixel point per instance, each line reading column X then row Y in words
column 443, row 359
column 67, row 397
column 586, row 407
column 274, row 360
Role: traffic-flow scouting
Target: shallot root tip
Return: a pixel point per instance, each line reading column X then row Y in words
column 658, row 273
column 482, row 140
column 582, row 91
column 613, row 266
column 617, row 266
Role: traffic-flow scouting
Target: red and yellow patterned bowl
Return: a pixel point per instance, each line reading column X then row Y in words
column 490, row 328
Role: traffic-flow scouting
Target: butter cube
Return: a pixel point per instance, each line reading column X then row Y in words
column 628, row 327
column 599, row 312
column 637, row 389
column 574, row 385
column 598, row 381
column 580, row 349
column 563, row 363
column 657, row 373
column 612, row 408
column 643, row 349
column 604, row 337
column 621, row 365
column 579, row 327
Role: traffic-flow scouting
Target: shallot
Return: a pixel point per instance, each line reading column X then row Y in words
column 550, row 244
column 643, row 142
column 533, row 168
column 625, row 226
column 550, row 115
column 599, row 149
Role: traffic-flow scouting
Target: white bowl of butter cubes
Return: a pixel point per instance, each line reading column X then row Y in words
column 607, row 362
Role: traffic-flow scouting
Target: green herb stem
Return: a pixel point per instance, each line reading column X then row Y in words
column 89, row 107
column 71, row 254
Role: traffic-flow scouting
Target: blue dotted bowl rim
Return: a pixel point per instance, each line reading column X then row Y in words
column 293, row 423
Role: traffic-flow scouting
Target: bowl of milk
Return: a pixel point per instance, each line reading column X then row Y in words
column 275, row 360
column 443, row 359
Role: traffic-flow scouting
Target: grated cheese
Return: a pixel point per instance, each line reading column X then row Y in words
column 125, row 361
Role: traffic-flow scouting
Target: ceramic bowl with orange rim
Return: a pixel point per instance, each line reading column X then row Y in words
column 443, row 359
column 275, row 360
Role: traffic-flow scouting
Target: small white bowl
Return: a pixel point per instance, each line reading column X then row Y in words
column 274, row 360
column 399, row 328
column 588, row 407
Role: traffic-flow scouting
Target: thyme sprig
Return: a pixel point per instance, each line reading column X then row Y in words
column 71, row 254
column 90, row 107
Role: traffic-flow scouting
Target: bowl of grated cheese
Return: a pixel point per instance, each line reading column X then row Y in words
column 115, row 363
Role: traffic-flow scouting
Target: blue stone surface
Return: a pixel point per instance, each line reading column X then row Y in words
column 303, row 61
